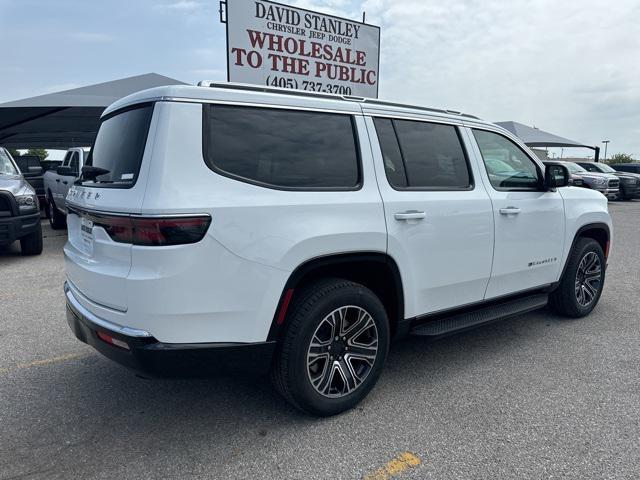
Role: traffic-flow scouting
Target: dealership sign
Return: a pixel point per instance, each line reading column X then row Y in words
column 277, row 45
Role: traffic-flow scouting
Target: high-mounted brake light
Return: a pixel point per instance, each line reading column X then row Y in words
column 154, row 231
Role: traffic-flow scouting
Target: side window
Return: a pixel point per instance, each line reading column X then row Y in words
column 65, row 160
column 282, row 148
column 423, row 155
column 391, row 155
column 507, row 165
column 74, row 163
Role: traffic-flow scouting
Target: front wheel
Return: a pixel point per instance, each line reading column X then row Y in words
column 56, row 219
column 333, row 349
column 582, row 282
column 32, row 244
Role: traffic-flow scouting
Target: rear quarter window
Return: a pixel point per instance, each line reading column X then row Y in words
column 119, row 147
column 282, row 149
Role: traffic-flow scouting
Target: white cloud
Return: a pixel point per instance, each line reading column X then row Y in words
column 568, row 67
column 183, row 5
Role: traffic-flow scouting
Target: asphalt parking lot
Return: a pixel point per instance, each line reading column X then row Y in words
column 536, row 396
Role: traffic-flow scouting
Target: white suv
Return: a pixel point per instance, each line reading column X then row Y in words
column 235, row 227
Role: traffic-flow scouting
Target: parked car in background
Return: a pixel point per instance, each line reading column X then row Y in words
column 629, row 182
column 19, row 210
column 57, row 183
column 605, row 183
column 237, row 226
column 32, row 171
column 627, row 167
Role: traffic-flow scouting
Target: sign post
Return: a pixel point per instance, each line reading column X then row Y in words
column 278, row 45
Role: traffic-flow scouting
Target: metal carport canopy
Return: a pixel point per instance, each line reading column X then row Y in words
column 69, row 118
column 534, row 137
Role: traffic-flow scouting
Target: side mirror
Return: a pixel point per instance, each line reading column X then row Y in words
column 556, row 175
column 64, row 171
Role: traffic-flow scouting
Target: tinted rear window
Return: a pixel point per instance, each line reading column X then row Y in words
column 119, row 147
column 423, row 155
column 24, row 162
column 281, row 148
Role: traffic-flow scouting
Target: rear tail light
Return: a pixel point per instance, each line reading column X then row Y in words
column 154, row 231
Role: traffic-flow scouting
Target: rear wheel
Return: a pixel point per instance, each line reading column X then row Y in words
column 32, row 244
column 333, row 348
column 581, row 285
column 56, row 219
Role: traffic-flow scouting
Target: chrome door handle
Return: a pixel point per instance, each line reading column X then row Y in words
column 410, row 215
column 510, row 211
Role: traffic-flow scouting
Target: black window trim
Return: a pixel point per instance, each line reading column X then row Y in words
column 472, row 182
column 211, row 165
column 539, row 188
column 89, row 155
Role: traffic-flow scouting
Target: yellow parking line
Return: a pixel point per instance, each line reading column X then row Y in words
column 394, row 467
column 46, row 361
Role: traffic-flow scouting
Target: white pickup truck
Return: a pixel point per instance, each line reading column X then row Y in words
column 57, row 183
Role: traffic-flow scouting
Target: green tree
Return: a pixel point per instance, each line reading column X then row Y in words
column 621, row 158
column 14, row 152
column 40, row 152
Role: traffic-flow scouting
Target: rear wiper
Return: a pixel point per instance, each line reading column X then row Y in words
column 89, row 172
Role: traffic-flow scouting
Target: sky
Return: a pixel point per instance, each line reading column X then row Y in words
column 568, row 67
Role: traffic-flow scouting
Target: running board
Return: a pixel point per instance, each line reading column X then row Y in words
column 479, row 316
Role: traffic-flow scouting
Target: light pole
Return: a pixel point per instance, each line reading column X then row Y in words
column 606, row 144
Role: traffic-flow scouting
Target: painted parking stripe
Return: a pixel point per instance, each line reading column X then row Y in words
column 394, row 467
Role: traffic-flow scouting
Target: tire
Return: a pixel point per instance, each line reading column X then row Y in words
column 315, row 315
column 56, row 219
column 32, row 244
column 579, row 292
column 623, row 195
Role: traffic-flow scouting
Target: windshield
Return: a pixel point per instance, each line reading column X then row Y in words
column 574, row 167
column 119, row 147
column 606, row 168
column 6, row 165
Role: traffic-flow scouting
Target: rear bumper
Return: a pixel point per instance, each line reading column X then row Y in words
column 152, row 358
column 13, row 228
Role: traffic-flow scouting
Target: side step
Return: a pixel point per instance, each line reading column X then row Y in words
column 443, row 325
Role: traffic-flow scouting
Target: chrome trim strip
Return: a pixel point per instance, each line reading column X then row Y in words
column 260, row 105
column 84, row 209
column 75, row 305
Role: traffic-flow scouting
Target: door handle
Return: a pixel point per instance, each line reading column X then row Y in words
column 410, row 215
column 510, row 211
column 58, row 180
column 65, row 182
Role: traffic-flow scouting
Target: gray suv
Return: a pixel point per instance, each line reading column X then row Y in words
column 629, row 182
column 19, row 209
column 605, row 183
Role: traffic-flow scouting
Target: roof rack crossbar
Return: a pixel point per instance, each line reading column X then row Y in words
column 331, row 96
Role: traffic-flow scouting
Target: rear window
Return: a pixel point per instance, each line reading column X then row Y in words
column 25, row 162
column 119, row 147
column 282, row 148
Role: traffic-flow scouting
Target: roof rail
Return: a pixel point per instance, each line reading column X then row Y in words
column 305, row 93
